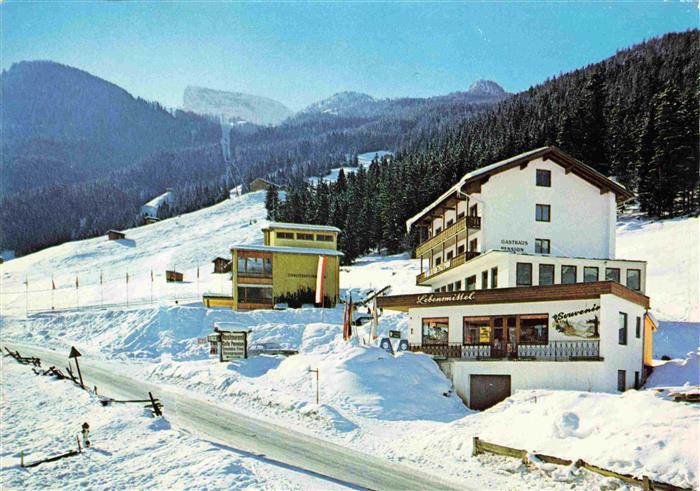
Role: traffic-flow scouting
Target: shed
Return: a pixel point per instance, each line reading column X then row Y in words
column 115, row 235
column 173, row 277
column 260, row 184
column 222, row 265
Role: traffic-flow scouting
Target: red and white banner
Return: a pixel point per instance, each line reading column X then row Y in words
column 319, row 278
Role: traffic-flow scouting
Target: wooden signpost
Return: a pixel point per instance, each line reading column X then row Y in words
column 229, row 344
column 74, row 353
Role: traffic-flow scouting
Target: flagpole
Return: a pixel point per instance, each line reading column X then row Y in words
column 53, row 287
column 77, row 285
column 101, row 292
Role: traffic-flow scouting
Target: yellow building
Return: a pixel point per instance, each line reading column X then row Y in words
column 284, row 269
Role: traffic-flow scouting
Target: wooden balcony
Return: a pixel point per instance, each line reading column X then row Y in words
column 446, row 266
column 584, row 350
column 464, row 223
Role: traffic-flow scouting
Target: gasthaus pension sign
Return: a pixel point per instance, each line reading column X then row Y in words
column 229, row 345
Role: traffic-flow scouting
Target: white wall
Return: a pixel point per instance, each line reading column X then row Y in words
column 582, row 220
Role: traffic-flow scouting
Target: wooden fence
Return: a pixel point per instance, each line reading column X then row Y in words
column 480, row 446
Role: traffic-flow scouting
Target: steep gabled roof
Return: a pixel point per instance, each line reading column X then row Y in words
column 477, row 177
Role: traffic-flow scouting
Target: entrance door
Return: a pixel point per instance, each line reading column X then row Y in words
column 487, row 390
column 504, row 343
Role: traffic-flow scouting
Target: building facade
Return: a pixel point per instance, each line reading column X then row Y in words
column 285, row 269
column 526, row 289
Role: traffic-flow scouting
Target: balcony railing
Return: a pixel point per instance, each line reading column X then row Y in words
column 462, row 224
column 554, row 351
column 447, row 265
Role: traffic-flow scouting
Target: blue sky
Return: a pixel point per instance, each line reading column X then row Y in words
column 299, row 53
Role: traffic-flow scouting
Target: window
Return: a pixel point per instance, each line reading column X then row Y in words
column 460, row 249
column 449, row 255
column 544, row 178
column 494, row 277
column 634, row 279
column 471, row 283
column 435, row 331
column 621, row 380
column 458, row 285
column 252, row 294
column 568, row 275
column 590, row 274
column 437, row 230
column 612, row 274
column 541, row 246
column 324, row 238
column 477, row 330
column 254, row 266
column 638, row 328
column 460, row 215
column 449, row 222
column 450, row 287
column 636, row 380
column 438, row 260
column 484, row 280
column 542, row 213
column 473, row 245
column 622, row 329
column 523, row 274
column 473, row 210
column 284, row 235
column 546, row 274
column 301, row 236
column 534, row 329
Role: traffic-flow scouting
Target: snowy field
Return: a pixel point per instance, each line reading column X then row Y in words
column 400, row 408
column 363, row 160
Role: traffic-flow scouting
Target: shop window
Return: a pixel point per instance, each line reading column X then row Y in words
column 494, row 277
column 477, row 330
column 484, row 280
column 622, row 329
column 542, row 213
column 470, row 283
column 568, row 275
column 252, row 294
column 534, row 329
column 435, row 331
column 612, row 274
column 284, row 235
column 541, row 246
column 634, row 281
column 544, row 178
column 523, row 274
column 590, row 274
column 621, row 380
column 546, row 274
column 638, row 328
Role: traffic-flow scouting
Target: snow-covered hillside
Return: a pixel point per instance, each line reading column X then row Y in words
column 235, row 107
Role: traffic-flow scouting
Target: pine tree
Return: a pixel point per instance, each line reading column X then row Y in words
column 272, row 202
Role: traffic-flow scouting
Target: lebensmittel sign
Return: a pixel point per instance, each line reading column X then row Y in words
column 233, row 345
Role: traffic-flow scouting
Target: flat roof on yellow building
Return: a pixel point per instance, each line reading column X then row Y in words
column 301, row 226
column 286, row 250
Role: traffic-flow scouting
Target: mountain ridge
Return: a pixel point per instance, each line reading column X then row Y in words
column 234, row 107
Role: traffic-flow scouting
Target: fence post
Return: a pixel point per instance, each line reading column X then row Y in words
column 475, row 446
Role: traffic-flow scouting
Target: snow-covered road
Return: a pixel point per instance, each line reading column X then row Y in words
column 273, row 443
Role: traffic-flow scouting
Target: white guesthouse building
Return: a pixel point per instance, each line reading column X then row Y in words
column 526, row 289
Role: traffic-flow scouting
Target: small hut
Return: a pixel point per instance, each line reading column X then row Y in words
column 222, row 265
column 260, row 184
column 115, row 235
column 174, row 277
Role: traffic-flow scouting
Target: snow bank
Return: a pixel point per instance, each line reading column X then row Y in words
column 635, row 432
column 148, row 332
column 677, row 373
column 676, row 339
